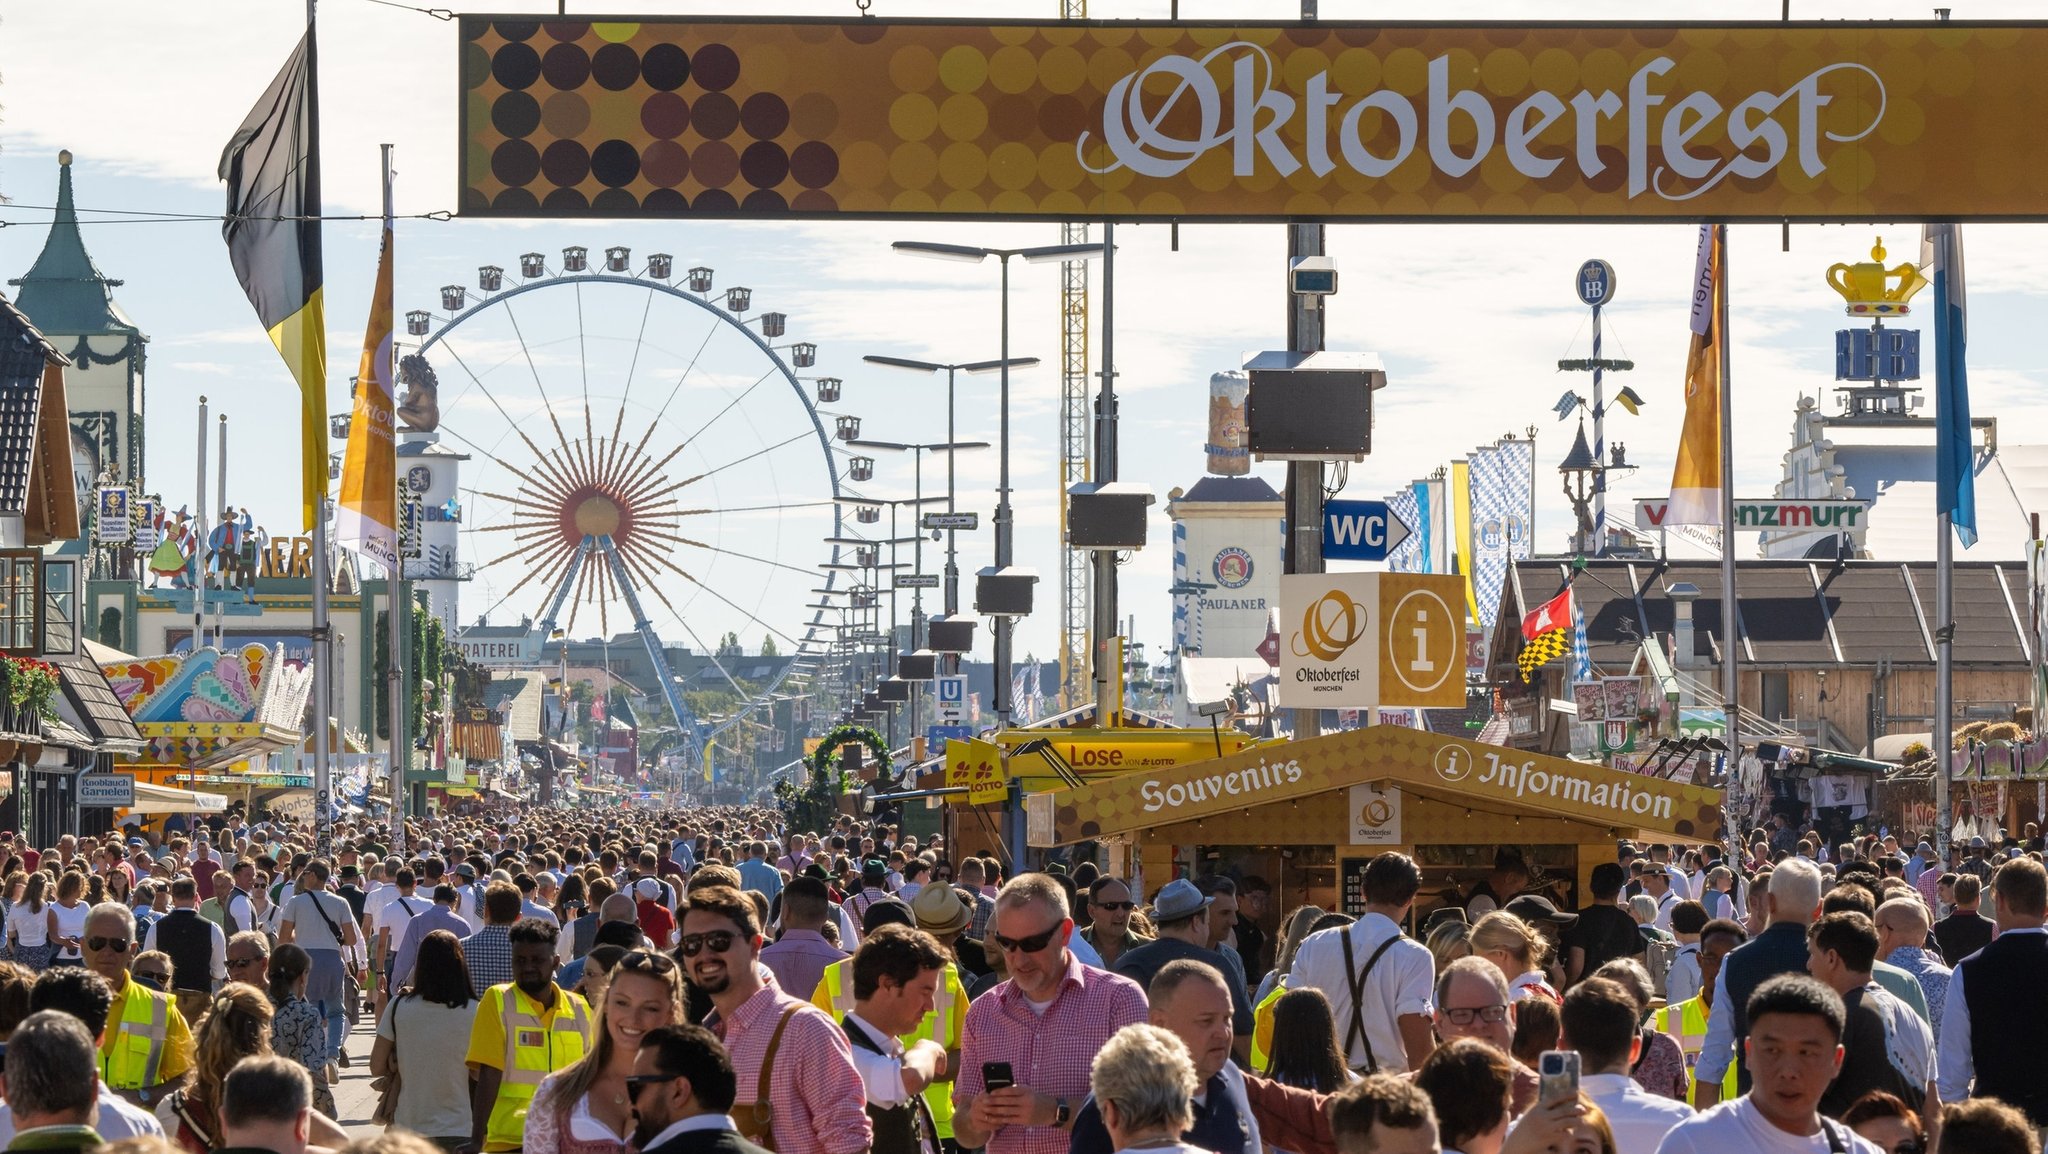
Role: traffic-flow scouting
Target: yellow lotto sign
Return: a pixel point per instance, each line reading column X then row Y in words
column 1359, row 640
column 736, row 116
column 1091, row 751
column 978, row 766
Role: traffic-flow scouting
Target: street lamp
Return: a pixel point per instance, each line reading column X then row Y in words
column 917, row 637
column 969, row 254
column 973, row 368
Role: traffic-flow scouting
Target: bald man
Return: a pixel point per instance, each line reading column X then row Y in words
column 1902, row 929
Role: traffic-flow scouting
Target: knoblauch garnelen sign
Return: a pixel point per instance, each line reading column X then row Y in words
column 880, row 118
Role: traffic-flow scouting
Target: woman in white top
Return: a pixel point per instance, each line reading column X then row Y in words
column 1144, row 1084
column 66, row 919
column 1520, row 953
column 28, row 924
column 423, row 1036
column 266, row 914
column 587, row 1108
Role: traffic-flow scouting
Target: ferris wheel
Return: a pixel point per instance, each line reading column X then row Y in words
column 648, row 451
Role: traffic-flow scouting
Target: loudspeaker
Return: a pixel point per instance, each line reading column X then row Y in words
column 950, row 634
column 1107, row 516
column 1311, row 406
column 920, row 666
column 1004, row 592
column 893, row 689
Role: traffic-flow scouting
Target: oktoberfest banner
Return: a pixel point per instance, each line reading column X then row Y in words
column 732, row 116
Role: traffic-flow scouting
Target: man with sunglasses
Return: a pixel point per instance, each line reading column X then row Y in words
column 1045, row 1023
column 146, row 1048
column 682, row 1091
column 1109, row 917
column 248, row 958
column 793, row 1069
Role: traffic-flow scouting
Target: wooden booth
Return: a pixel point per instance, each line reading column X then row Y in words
column 1307, row 815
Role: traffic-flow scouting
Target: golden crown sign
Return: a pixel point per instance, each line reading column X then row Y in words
column 1871, row 289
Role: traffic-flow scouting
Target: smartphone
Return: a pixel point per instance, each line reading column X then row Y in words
column 998, row 1076
column 1557, row 1076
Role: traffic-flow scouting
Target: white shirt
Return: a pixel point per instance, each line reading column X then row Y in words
column 1639, row 1118
column 217, row 968
column 880, row 1074
column 1682, row 980
column 1401, row 984
column 1665, row 905
column 117, row 1119
column 1739, row 1126
column 1958, row 1067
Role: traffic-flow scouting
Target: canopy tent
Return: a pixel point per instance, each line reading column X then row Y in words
column 164, row 799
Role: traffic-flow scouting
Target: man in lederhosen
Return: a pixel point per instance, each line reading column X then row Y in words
column 896, row 975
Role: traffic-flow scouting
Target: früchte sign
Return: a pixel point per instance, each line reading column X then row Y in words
column 1478, row 775
column 731, row 116
column 1772, row 514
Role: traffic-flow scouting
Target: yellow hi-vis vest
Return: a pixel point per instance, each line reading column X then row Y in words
column 1262, row 1029
column 1687, row 1023
column 941, row 1024
column 138, row 1030
column 534, row 1048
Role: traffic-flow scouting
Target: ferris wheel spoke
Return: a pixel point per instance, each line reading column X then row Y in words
column 680, row 381
column 735, row 462
column 784, row 507
column 554, row 419
column 728, row 602
column 710, row 548
column 541, row 459
column 632, row 366
column 729, row 405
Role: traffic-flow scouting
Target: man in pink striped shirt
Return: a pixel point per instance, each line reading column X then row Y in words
column 808, row 1091
column 1045, row 1023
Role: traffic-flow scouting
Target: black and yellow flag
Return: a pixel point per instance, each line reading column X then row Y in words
column 272, row 169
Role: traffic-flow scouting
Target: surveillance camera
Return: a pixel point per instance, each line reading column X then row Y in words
column 1312, row 276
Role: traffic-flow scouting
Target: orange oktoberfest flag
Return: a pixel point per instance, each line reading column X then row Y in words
column 1696, row 478
column 366, row 517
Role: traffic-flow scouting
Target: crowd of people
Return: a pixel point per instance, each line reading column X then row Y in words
column 707, row 981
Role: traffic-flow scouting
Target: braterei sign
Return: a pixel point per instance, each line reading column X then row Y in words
column 1393, row 759
column 766, row 117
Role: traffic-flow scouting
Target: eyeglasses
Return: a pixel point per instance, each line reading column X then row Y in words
column 1465, row 1016
column 717, row 941
column 635, row 1081
column 1030, row 945
column 243, row 963
column 1112, row 905
column 154, row 980
column 106, row 943
column 660, row 963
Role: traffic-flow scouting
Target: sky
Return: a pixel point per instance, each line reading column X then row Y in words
column 1469, row 319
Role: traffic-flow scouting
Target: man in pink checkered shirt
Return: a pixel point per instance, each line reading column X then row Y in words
column 816, row 1102
column 1046, row 1022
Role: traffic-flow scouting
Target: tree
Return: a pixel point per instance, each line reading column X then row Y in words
column 768, row 646
column 729, row 645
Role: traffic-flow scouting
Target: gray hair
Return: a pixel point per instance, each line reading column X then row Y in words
column 1034, row 887
column 1644, row 907
column 1633, row 978
column 256, row 938
column 55, row 1067
column 1476, row 968
column 113, row 910
column 1796, row 885
column 1146, row 1071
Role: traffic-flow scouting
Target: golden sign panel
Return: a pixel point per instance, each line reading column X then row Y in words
column 1139, row 120
column 1492, row 776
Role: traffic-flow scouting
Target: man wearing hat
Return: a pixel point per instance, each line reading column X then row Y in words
column 470, row 898
column 1181, row 913
column 874, row 887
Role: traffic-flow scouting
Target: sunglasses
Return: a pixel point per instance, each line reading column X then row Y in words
column 106, row 943
column 659, row 963
column 243, row 963
column 154, row 981
column 1466, row 1016
column 635, row 1081
column 1113, row 905
column 717, row 941
column 1030, row 945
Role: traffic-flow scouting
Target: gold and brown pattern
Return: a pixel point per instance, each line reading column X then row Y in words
column 678, row 117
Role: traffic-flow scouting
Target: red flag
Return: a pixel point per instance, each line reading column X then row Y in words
column 1555, row 613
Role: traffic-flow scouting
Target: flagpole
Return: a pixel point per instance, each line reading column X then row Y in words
column 398, row 605
column 323, row 642
column 1730, row 617
column 1944, row 672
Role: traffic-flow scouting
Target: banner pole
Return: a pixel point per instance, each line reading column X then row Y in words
column 1730, row 616
column 395, row 599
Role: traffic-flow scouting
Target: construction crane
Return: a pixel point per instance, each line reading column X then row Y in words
column 1075, row 580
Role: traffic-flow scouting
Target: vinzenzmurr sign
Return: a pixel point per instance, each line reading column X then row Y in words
column 873, row 118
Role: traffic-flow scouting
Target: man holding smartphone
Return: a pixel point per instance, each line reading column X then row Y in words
column 1028, row 1042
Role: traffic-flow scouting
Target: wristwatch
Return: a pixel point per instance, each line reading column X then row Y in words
column 1061, row 1112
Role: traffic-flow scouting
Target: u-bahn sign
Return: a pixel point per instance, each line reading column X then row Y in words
column 731, row 116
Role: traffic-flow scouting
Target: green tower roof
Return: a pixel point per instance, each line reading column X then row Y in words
column 64, row 292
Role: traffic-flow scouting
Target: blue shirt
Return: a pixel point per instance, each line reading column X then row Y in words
column 416, row 931
column 759, row 876
column 1933, row 977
